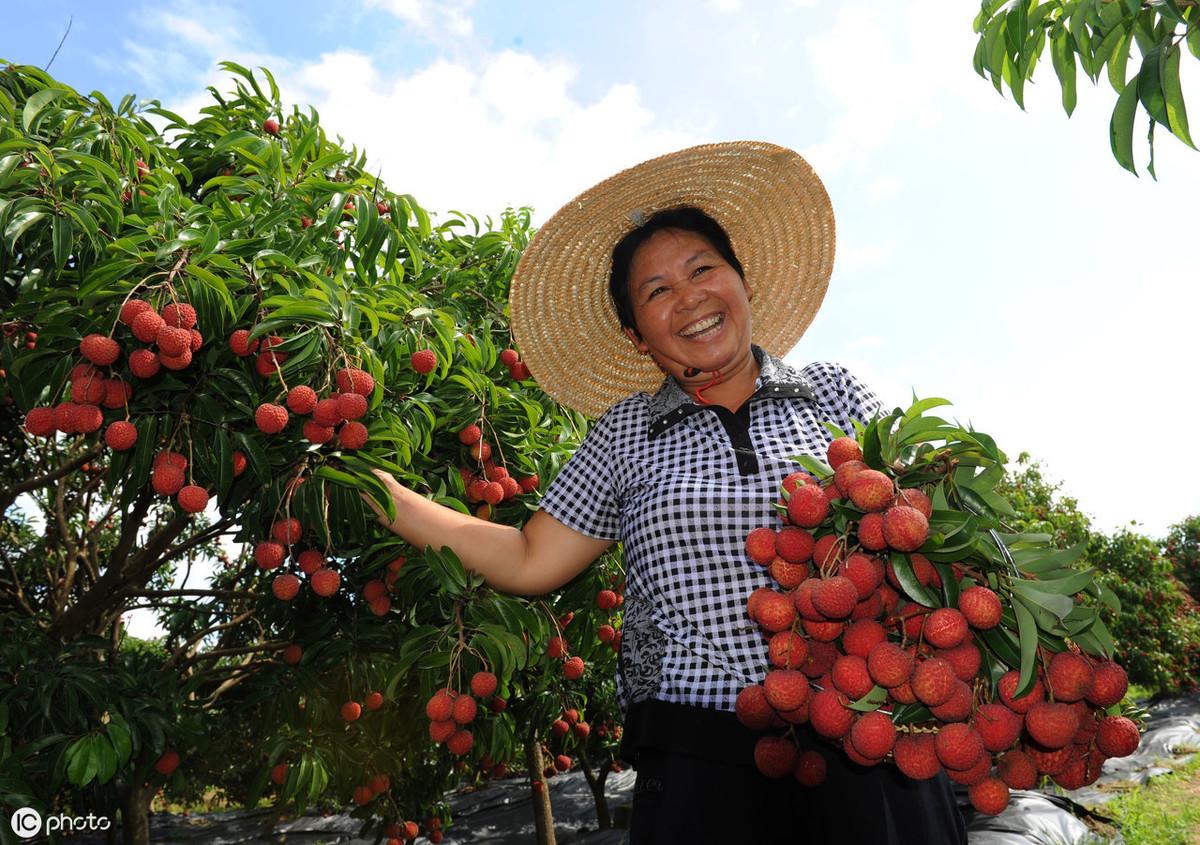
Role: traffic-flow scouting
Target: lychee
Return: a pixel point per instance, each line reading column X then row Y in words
column 835, row 597
column 301, row 399
column 933, row 681
column 1007, row 686
column 1109, row 684
column 786, row 689
column 241, row 345
column 464, row 709
column 1017, row 770
column 873, row 735
column 40, row 422
column 353, row 435
column 351, row 710
column 958, row 746
column 285, row 586
column 423, row 361
column 271, row 418
column 905, row 528
column 1117, row 736
column 793, row 544
column 99, row 349
column 326, row 412
column 269, row 555
column 176, row 362
column 325, row 581
column 850, row 676
column 870, row 532
column 287, row 531
column 120, row 436
column 871, row 490
column 760, row 546
column 144, row 363
column 483, row 684
column 775, row 756
column 829, row 714
column 787, row 650
column 354, row 380
column 998, row 726
column 1051, row 724
column 889, row 664
column 752, row 708
column 989, row 796
column 352, row 406
column 807, row 507
column 946, row 627
column 131, row 308
column 810, row 768
column 179, row 315
column 167, row 480
column 193, row 498
column 916, row 756
column 573, row 668
column 915, row 498
column 1069, row 676
column 841, row 450
column 980, row 606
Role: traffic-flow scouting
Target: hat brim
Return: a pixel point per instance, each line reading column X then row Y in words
column 767, row 198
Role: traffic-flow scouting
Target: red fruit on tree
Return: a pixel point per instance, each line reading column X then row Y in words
column 241, row 345
column 483, row 684
column 193, row 498
column 459, row 744
column 239, row 463
column 325, row 582
column 99, row 349
column 989, row 796
column 179, row 315
column 167, row 480
column 904, row 528
column 424, row 361
column 843, row 449
column 316, row 433
column 775, row 756
column 271, row 126
column 271, row 418
column 279, row 774
column 287, row 531
column 39, row 422
column 1117, row 736
column 120, row 436
column 556, row 648
column 946, row 627
column 760, row 546
column 144, row 363
column 292, row 654
column 980, row 606
column 373, row 701
column 1069, row 676
column 167, row 763
column 873, row 735
column 810, row 768
column 463, row 710
column 176, row 362
column 916, row 756
column 326, row 413
column 508, row 357
column 301, row 399
column 285, row 586
column 871, row 490
column 1109, row 684
column 807, row 506
column 1007, row 686
column 958, row 746
column 354, row 380
column 88, row 418
column 173, row 341
column 351, row 710
column 352, row 406
column 470, row 434
column 353, row 435
column 131, row 308
column 269, row 555
column 793, row 544
column 573, row 668
column 1051, row 724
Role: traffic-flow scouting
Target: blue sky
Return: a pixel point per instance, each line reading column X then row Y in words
column 995, row 257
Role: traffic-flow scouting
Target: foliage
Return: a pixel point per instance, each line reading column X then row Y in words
column 1183, row 550
column 1098, row 35
column 1157, row 630
column 260, row 221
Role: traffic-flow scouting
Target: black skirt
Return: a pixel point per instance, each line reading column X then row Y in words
column 697, row 783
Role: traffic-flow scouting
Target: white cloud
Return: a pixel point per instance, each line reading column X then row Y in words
column 433, row 18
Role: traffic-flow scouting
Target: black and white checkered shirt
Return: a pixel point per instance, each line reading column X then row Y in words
column 681, row 485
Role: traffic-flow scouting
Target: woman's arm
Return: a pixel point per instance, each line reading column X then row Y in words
column 527, row 562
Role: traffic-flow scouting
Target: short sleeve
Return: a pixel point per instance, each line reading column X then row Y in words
column 842, row 395
column 583, row 496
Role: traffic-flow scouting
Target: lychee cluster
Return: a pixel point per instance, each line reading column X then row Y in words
column 450, row 711
column 846, row 650
column 287, row 535
column 332, row 419
column 168, row 477
column 516, row 367
column 489, row 484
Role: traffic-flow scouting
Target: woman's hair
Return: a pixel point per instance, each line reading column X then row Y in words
column 686, row 218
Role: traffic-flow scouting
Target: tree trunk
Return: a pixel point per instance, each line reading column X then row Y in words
column 543, row 814
column 135, row 814
column 595, row 783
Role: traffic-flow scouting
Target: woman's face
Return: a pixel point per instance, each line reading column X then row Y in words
column 678, row 283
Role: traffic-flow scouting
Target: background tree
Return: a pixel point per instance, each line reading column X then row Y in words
column 175, row 301
column 1096, row 36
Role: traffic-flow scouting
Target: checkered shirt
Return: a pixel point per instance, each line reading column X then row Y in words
column 681, row 485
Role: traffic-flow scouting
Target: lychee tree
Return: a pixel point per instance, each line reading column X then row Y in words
column 229, row 322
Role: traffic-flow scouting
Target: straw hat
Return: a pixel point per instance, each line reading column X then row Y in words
column 766, row 197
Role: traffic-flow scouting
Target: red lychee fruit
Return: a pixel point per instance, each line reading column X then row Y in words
column 958, row 746
column 519, row 371
column 88, row 418
column 459, row 744
column 933, row 681
column 760, row 546
column 316, row 433
column 835, row 597
column 99, row 349
column 841, row 450
column 752, row 708
column 828, row 552
column 167, row 480
column 795, row 545
column 556, row 648
column 470, row 434
column 1007, row 686
column 325, row 582
column 143, row 363
column 870, row 532
column 40, row 422
column 846, row 473
column 829, row 714
column 271, row 418
column 904, row 528
column 889, row 664
column 915, row 498
column 352, row 406
column 871, row 490
column 287, row 531
column 1051, row 724
column 958, row 707
column 989, row 796
column 1069, row 676
column 946, row 628
column 269, row 555
column 529, row 483
column 775, row 756
column 861, row 636
column 917, row 757
column 285, row 586
column 787, row 650
column 980, row 606
column 820, row 659
column 193, row 498
column 562, row 762
column 1109, row 684
column 464, row 709
column 850, row 675
column 117, row 393
column 353, row 435
column 354, row 380
column 573, row 668
column 998, row 726
column 301, row 399
column 167, row 763
column 866, row 573
column 873, row 735
column 1017, row 770
column 327, row 413
column 440, row 706
column 796, row 479
column 810, row 768
column 120, row 436
column 775, row 611
column 1117, row 736
column 508, row 357
column 351, row 710
column 310, row 561
column 424, row 361
column 241, row 345
column 131, row 308
column 181, row 315
column 807, row 507
column 786, row 689
column 173, row 341
column 279, row 774
column 176, row 362
column 271, row 126
column 292, row 654
column 483, row 684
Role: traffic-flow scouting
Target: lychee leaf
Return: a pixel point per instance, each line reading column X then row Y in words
column 816, row 466
column 833, row 429
column 871, row 701
column 1028, row 638
column 902, row 565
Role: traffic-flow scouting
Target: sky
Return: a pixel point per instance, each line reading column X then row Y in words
column 995, row 257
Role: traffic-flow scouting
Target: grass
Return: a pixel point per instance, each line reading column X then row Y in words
column 1166, row 811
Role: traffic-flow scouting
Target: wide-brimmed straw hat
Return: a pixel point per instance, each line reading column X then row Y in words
column 766, row 197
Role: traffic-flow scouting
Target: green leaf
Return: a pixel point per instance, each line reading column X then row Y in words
column 1059, row 605
column 1150, row 90
column 118, row 735
column 1120, row 126
column 1028, row 636
column 902, row 565
column 1003, row 645
column 1176, row 112
column 1118, row 59
column 1063, row 59
column 37, row 103
column 816, row 466
column 870, row 701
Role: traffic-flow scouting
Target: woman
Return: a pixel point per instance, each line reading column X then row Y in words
column 697, row 426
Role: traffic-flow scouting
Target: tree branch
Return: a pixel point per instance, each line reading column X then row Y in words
column 197, row 637
column 7, row 497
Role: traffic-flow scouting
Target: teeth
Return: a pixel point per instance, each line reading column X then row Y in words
column 701, row 326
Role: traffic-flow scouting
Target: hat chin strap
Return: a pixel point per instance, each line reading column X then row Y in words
column 716, row 379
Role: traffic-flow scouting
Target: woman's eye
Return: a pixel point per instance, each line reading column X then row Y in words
column 701, row 269
column 654, row 292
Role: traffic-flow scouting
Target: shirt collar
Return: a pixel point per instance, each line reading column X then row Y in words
column 776, row 380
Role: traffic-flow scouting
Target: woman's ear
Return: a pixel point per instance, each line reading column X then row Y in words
column 636, row 339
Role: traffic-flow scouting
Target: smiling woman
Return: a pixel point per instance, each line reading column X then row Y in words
column 715, row 260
